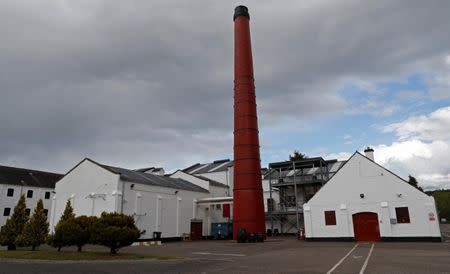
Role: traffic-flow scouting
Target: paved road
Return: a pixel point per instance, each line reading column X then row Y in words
column 285, row 255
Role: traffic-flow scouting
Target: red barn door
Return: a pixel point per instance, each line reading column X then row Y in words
column 365, row 226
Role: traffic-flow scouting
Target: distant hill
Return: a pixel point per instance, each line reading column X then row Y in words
column 442, row 198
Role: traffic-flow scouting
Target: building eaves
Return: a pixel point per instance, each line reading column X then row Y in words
column 154, row 180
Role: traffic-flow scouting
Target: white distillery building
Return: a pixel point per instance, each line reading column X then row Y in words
column 222, row 171
column 159, row 203
column 34, row 184
column 364, row 201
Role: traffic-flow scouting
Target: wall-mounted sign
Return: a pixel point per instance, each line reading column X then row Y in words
column 431, row 216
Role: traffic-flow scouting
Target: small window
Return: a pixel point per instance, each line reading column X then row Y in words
column 270, row 205
column 30, row 194
column 46, row 212
column 402, row 215
column 28, row 211
column 218, row 206
column 10, row 192
column 330, row 217
column 6, row 211
column 47, row 195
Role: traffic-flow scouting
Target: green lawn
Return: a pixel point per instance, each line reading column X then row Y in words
column 73, row 255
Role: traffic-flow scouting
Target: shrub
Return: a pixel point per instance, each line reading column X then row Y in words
column 83, row 230
column 115, row 230
column 35, row 230
column 73, row 231
column 14, row 225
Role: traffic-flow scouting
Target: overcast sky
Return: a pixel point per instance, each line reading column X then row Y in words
column 150, row 83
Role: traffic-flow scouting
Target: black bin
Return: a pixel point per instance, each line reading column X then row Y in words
column 157, row 235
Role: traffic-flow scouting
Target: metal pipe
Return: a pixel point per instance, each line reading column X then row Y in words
column 248, row 209
column 271, row 201
column 296, row 199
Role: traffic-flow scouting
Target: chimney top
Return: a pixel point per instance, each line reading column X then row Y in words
column 369, row 153
column 241, row 11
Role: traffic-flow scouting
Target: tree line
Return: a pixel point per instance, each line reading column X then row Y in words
column 113, row 230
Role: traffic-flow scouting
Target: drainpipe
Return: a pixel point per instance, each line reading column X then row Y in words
column 122, row 198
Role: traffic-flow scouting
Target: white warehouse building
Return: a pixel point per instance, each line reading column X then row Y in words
column 159, row 203
column 364, row 201
column 33, row 184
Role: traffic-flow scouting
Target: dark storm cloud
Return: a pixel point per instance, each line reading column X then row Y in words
column 146, row 82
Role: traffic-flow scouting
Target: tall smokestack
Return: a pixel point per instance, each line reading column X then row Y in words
column 248, row 208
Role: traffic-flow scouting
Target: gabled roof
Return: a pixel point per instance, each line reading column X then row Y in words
column 147, row 178
column 28, row 177
column 345, row 163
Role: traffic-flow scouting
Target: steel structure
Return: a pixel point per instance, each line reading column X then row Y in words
column 296, row 182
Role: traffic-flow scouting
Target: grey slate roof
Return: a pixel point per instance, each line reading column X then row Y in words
column 28, row 177
column 147, row 169
column 154, row 180
column 209, row 167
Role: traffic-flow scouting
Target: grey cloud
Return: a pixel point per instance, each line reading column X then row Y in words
column 151, row 82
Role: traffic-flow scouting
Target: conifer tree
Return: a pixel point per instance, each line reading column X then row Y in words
column 68, row 212
column 412, row 181
column 36, row 229
column 63, row 229
column 14, row 225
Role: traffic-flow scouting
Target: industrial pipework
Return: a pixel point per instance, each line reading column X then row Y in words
column 248, row 208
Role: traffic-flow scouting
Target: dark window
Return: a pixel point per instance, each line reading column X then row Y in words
column 30, row 194
column 47, row 195
column 6, row 211
column 10, row 192
column 218, row 207
column 46, row 212
column 330, row 217
column 402, row 215
column 270, row 205
column 28, row 211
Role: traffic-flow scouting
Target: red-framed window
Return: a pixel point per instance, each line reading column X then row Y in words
column 402, row 215
column 330, row 217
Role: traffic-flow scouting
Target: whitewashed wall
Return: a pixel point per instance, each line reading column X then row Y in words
column 11, row 202
column 381, row 191
column 224, row 177
column 165, row 210
column 91, row 190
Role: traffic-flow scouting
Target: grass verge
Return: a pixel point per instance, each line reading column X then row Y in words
column 76, row 256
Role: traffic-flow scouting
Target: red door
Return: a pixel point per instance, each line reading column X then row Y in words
column 196, row 230
column 365, row 226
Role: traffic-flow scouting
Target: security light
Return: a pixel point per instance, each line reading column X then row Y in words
column 361, row 195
